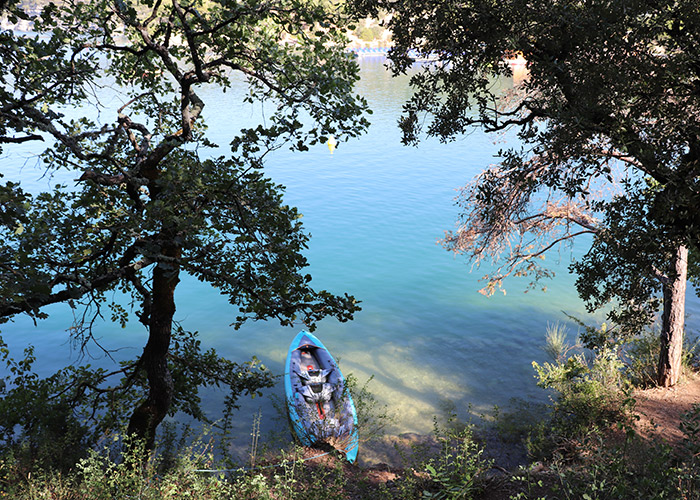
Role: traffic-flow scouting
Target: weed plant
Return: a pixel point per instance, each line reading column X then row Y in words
column 456, row 473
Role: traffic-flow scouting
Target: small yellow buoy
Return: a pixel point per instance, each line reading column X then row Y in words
column 332, row 143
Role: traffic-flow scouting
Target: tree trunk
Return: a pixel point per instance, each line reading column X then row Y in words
column 151, row 412
column 673, row 320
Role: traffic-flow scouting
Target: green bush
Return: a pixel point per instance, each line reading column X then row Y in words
column 633, row 471
column 592, row 401
column 136, row 474
column 454, row 474
column 591, row 396
column 369, row 34
column 690, row 426
column 639, row 352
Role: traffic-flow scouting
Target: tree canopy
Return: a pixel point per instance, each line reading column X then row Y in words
column 611, row 100
column 152, row 198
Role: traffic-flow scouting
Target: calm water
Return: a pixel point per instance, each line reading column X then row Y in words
column 375, row 210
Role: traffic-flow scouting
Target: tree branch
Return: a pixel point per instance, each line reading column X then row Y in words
column 33, row 304
column 19, row 140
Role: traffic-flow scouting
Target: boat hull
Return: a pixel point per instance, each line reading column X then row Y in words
column 320, row 407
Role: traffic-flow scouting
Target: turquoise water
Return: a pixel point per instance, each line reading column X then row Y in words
column 375, row 210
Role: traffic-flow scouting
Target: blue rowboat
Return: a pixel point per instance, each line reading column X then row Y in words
column 320, row 406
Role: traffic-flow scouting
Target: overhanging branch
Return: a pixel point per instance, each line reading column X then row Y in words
column 33, row 304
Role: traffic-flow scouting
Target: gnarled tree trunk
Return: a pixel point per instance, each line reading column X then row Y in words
column 673, row 320
column 154, row 360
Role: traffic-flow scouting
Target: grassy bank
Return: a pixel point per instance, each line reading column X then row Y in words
column 602, row 463
column 597, row 439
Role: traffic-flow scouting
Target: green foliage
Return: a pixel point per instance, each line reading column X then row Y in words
column 642, row 353
column 626, row 259
column 290, row 477
column 50, row 423
column 589, row 458
column 614, row 473
column 369, row 33
column 138, row 475
column 528, row 485
column 639, row 351
column 600, row 151
column 148, row 203
column 690, row 426
column 39, row 427
column 372, row 417
column 454, row 474
column 591, row 396
column 555, row 342
column 624, row 473
column 193, row 369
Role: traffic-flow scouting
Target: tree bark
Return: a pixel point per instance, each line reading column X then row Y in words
column 673, row 320
column 151, row 412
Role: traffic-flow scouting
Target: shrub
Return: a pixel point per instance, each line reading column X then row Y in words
column 639, row 352
column 591, row 396
column 369, row 33
column 454, row 474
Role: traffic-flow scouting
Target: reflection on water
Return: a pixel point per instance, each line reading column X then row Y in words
column 375, row 210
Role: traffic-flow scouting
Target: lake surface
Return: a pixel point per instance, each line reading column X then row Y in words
column 375, row 210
